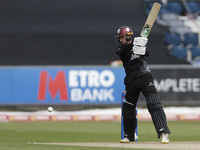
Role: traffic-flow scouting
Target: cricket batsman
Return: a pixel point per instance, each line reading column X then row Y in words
column 132, row 52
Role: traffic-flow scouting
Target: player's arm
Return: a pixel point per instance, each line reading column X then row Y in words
column 123, row 49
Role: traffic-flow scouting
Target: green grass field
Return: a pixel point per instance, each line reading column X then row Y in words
column 22, row 135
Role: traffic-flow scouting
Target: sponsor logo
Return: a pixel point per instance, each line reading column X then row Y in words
column 77, row 86
column 53, row 86
column 162, row 129
column 178, row 85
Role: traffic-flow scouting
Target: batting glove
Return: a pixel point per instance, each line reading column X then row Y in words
column 140, row 50
column 140, row 41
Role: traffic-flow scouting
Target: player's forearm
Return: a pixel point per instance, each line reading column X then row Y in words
column 124, row 49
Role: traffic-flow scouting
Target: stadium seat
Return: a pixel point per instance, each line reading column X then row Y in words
column 196, row 61
column 195, row 51
column 172, row 38
column 163, row 11
column 168, row 17
column 150, row 5
column 191, row 38
column 179, row 52
column 175, row 6
column 181, row 30
column 176, row 23
column 194, row 6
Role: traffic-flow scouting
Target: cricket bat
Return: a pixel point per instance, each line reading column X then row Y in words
column 150, row 20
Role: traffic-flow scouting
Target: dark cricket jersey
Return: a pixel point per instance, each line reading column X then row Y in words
column 134, row 65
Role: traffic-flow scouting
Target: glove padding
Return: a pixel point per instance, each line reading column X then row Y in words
column 140, row 50
column 140, row 41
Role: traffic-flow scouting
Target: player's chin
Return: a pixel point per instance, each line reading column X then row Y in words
column 130, row 42
column 125, row 43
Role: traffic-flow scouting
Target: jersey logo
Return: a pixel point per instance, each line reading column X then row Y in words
column 134, row 56
column 151, row 84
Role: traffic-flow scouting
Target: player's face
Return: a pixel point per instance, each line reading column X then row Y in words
column 123, row 40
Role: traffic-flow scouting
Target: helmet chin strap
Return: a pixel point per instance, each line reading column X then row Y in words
column 128, row 38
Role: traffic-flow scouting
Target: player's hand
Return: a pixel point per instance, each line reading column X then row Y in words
column 140, row 50
column 140, row 41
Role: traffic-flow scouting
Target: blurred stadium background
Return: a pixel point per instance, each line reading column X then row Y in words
column 61, row 53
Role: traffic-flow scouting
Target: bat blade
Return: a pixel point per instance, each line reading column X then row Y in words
column 150, row 20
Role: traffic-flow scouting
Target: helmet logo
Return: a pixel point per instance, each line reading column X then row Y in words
column 127, row 29
column 118, row 31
